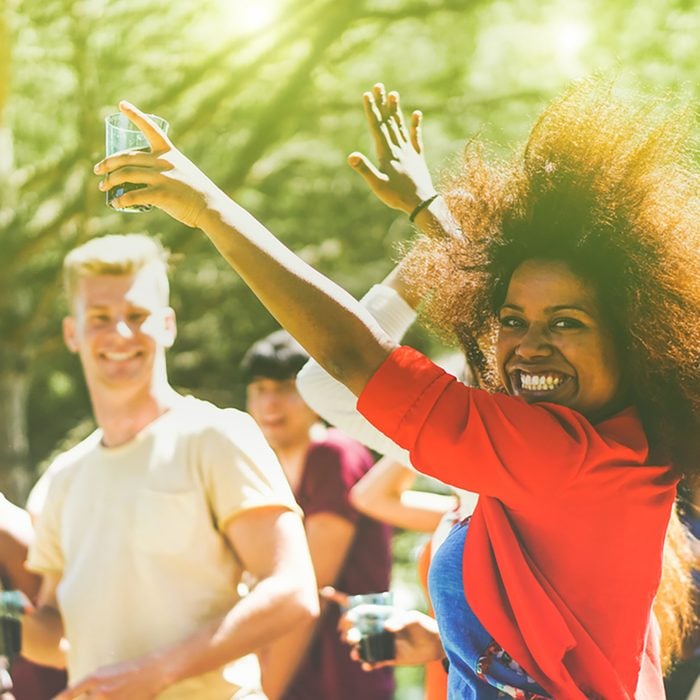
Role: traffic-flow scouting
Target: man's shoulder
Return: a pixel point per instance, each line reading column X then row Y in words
column 61, row 471
column 203, row 421
column 195, row 415
column 68, row 460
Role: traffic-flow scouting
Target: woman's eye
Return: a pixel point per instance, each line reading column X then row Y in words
column 567, row 323
column 511, row 322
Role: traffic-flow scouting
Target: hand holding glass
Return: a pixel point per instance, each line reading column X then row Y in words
column 122, row 135
column 368, row 612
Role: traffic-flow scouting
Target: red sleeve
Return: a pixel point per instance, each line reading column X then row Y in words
column 332, row 469
column 488, row 443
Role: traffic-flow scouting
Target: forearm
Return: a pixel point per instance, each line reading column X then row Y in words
column 436, row 220
column 381, row 487
column 330, row 537
column 335, row 330
column 384, row 493
column 272, row 608
column 42, row 636
column 280, row 660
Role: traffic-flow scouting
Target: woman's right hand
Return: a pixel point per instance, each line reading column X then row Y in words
column 170, row 181
column 402, row 180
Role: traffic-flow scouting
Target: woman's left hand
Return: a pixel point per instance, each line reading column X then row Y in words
column 402, row 179
column 171, row 181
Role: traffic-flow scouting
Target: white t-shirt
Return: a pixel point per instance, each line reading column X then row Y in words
column 135, row 533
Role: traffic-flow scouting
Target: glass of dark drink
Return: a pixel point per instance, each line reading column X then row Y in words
column 369, row 612
column 122, row 135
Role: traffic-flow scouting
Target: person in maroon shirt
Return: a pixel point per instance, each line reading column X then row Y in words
column 349, row 550
column 572, row 277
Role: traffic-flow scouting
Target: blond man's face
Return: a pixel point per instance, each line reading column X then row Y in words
column 119, row 328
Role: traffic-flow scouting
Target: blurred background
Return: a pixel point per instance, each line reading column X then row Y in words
column 265, row 95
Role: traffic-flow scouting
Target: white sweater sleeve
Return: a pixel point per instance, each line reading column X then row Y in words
column 334, row 402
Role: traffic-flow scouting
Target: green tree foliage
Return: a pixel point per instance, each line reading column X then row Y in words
column 270, row 112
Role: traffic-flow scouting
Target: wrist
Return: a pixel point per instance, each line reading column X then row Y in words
column 436, row 220
column 422, row 205
column 212, row 210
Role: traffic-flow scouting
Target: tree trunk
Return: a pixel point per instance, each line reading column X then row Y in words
column 14, row 382
column 15, row 480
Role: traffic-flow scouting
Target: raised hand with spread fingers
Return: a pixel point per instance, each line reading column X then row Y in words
column 402, row 179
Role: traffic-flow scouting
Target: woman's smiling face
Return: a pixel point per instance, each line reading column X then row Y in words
column 554, row 343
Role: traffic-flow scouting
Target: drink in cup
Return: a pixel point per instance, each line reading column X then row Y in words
column 369, row 612
column 122, row 135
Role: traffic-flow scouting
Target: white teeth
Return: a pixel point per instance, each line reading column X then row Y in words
column 539, row 382
column 118, row 356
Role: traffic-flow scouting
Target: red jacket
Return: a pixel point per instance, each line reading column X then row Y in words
column 563, row 554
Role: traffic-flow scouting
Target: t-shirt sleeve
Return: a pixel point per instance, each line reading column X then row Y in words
column 46, row 553
column 330, row 472
column 240, row 470
column 492, row 444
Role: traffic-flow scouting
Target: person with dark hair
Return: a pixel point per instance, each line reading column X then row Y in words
column 572, row 277
column 348, row 550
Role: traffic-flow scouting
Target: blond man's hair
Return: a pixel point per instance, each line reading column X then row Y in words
column 124, row 254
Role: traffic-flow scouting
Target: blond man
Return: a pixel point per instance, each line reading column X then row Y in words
column 147, row 526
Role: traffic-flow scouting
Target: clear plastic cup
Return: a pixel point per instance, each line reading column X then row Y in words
column 368, row 612
column 122, row 135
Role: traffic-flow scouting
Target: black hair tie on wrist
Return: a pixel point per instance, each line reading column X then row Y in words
column 422, row 205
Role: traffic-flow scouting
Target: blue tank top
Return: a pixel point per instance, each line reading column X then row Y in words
column 479, row 668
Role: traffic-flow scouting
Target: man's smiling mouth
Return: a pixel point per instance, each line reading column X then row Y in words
column 119, row 356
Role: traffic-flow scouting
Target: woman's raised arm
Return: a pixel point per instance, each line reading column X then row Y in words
column 332, row 326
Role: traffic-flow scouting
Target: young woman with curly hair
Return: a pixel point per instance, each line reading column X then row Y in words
column 575, row 269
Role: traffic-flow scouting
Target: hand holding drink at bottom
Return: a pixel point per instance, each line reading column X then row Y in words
column 368, row 612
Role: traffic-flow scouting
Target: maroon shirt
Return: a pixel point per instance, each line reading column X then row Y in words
column 332, row 468
column 33, row 682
